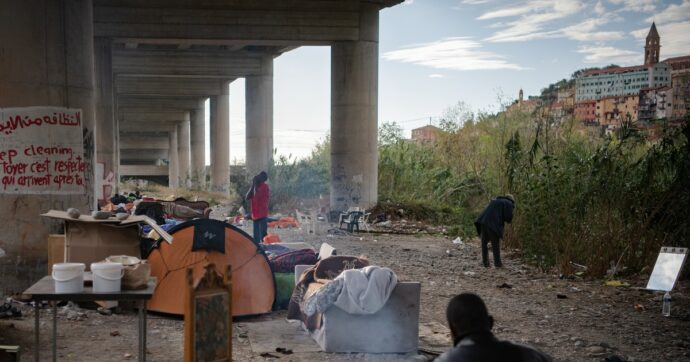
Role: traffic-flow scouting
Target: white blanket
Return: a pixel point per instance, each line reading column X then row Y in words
column 365, row 290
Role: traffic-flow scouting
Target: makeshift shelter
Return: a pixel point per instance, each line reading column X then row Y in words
column 200, row 242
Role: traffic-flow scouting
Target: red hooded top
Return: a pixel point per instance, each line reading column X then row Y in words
column 260, row 201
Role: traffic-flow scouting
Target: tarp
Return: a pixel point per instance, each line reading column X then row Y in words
column 201, row 242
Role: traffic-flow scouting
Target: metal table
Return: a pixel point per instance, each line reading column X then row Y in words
column 44, row 290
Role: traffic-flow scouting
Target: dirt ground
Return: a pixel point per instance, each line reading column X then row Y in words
column 571, row 320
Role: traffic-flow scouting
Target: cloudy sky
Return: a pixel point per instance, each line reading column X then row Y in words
column 434, row 53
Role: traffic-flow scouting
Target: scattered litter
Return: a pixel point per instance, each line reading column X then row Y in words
column 457, row 240
column 8, row 311
column 128, row 355
column 283, row 350
column 268, row 355
column 104, row 311
column 616, row 283
column 561, row 296
column 448, row 252
column 639, row 307
column 406, row 249
column 469, row 273
column 505, row 286
column 115, row 333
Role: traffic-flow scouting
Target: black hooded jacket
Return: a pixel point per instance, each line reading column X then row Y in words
column 499, row 211
column 484, row 347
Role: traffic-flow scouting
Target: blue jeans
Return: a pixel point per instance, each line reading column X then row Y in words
column 260, row 229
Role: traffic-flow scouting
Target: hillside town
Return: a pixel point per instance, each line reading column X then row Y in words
column 611, row 96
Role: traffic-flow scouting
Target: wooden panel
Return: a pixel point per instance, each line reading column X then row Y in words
column 208, row 317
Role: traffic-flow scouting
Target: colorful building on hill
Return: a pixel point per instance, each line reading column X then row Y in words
column 523, row 105
column 427, row 133
column 614, row 111
column 680, row 86
column 585, row 111
column 655, row 103
column 653, row 90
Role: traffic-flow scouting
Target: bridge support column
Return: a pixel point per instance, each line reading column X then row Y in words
column 107, row 133
column 220, row 139
column 173, row 161
column 354, row 123
column 259, row 119
column 197, row 145
column 183, row 148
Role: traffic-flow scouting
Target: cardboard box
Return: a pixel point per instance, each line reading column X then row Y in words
column 88, row 240
column 56, row 250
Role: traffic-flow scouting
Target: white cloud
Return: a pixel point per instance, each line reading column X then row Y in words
column 436, row 75
column 609, row 54
column 674, row 12
column 636, row 5
column 599, row 8
column 531, row 18
column 474, row 2
column 586, row 31
column 460, row 53
column 531, row 26
column 408, row 2
column 674, row 38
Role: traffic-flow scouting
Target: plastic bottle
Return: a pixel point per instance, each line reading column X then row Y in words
column 666, row 309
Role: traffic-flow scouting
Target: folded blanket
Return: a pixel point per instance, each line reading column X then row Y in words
column 366, row 290
column 312, row 280
column 355, row 291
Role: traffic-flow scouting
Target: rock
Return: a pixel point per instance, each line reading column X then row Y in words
column 100, row 215
column 73, row 213
column 121, row 216
column 128, row 355
column 115, row 333
column 579, row 343
column 596, row 349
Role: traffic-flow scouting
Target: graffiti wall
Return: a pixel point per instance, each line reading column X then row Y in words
column 42, row 151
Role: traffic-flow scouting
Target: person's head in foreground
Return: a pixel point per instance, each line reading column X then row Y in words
column 470, row 326
column 467, row 314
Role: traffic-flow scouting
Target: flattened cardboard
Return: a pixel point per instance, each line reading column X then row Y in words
column 56, row 250
column 130, row 221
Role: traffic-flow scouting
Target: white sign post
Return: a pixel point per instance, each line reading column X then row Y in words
column 41, row 151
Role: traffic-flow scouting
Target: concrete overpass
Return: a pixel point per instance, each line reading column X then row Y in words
column 114, row 59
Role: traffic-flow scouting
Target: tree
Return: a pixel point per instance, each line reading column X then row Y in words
column 456, row 116
column 390, row 133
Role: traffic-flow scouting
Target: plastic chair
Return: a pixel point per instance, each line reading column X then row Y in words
column 352, row 220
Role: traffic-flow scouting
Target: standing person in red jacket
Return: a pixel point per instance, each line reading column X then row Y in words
column 259, row 194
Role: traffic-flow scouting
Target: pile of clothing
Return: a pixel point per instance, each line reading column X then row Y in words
column 346, row 282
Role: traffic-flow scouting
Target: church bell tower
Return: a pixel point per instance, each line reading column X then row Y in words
column 652, row 47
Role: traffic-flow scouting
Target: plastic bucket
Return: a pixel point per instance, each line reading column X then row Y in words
column 68, row 277
column 107, row 277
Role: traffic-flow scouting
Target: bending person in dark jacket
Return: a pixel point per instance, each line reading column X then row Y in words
column 470, row 327
column 490, row 226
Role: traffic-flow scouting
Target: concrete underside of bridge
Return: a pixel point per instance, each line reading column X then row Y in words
column 141, row 71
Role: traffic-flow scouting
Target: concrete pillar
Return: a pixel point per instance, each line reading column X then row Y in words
column 220, row 139
column 173, row 161
column 197, row 140
column 183, row 151
column 354, row 123
column 107, row 133
column 46, row 59
column 259, row 118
